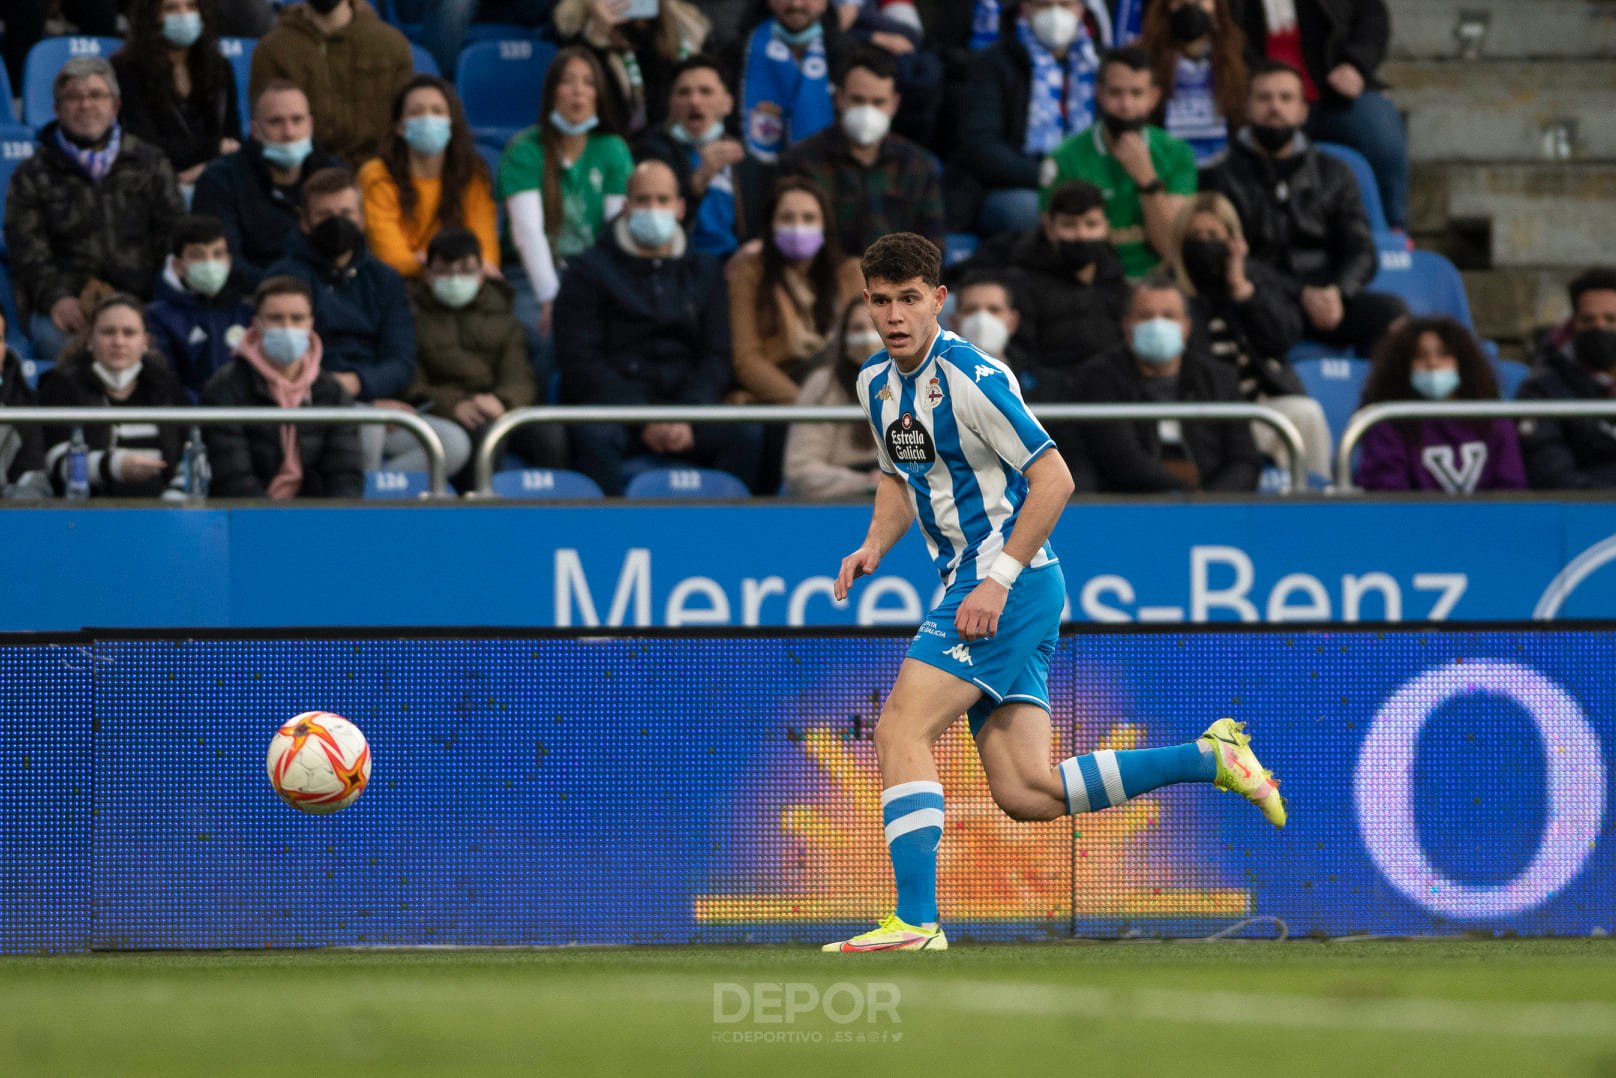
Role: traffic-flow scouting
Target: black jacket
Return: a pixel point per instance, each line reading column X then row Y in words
column 259, row 218
column 1258, row 332
column 1303, row 216
column 21, row 448
column 245, row 458
column 1126, row 457
column 73, row 384
column 993, row 117
column 1064, row 322
column 188, row 131
column 1566, row 454
column 751, row 180
column 632, row 330
column 1333, row 32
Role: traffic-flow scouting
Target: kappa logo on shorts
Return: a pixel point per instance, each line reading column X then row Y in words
column 960, row 654
column 909, row 445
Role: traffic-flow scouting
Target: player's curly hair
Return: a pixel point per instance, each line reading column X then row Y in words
column 903, row 256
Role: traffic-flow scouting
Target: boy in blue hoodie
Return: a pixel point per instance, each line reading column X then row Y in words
column 199, row 314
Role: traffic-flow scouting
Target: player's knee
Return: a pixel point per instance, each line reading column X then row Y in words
column 1027, row 805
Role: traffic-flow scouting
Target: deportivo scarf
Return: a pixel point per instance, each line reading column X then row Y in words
column 784, row 100
column 985, row 24
column 95, row 163
column 1047, row 125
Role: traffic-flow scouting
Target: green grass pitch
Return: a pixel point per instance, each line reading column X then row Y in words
column 1512, row 1007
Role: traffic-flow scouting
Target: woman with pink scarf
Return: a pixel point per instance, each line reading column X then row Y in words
column 278, row 364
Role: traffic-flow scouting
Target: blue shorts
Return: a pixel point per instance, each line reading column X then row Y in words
column 1011, row 666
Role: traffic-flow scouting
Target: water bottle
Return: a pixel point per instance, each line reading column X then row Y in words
column 78, row 467
column 195, row 465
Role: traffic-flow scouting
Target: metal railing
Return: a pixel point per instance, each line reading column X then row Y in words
column 203, row 416
column 1231, row 412
column 1374, row 414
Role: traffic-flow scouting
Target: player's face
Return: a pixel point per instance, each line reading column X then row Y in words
column 905, row 315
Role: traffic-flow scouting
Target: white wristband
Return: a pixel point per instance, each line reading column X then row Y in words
column 1005, row 569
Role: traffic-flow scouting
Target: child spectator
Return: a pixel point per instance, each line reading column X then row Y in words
column 783, row 299
column 200, row 314
column 1436, row 359
column 116, row 369
column 561, row 181
column 429, row 176
column 179, row 92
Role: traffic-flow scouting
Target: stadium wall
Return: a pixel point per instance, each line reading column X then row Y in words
column 705, row 566
column 672, row 788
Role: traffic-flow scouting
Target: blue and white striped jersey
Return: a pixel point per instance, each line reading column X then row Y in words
column 959, row 434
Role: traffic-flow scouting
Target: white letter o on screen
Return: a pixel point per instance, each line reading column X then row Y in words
column 1383, row 790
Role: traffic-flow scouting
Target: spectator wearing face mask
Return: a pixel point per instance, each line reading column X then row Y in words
column 1241, row 312
column 255, row 192
column 1198, row 54
column 985, row 314
column 200, row 314
column 1071, row 292
column 471, row 361
column 116, row 369
column 836, row 460
column 277, row 365
column 1156, row 365
column 1436, row 359
column 877, row 182
column 1146, row 173
column 784, row 298
column 639, row 56
column 1579, row 364
column 1028, row 93
column 785, row 63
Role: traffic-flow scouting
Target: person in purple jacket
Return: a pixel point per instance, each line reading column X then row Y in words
column 1436, row 359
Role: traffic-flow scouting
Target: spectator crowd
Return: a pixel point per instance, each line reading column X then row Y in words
column 1137, row 203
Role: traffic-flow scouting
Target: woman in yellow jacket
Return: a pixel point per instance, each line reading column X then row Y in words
column 429, row 177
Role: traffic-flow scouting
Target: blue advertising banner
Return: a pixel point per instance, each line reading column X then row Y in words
column 667, row 789
column 644, row 566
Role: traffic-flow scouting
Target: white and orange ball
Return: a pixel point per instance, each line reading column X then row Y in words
column 319, row 762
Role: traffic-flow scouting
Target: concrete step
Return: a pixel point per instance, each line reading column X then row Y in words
column 1504, row 110
column 1540, row 215
column 1514, row 29
column 1509, row 305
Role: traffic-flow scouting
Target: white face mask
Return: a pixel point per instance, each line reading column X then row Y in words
column 987, row 331
column 117, row 379
column 1055, row 27
column 861, row 346
column 865, row 124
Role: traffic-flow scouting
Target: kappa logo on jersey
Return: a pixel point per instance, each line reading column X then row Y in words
column 909, row 445
column 960, row 654
column 982, row 369
column 885, row 394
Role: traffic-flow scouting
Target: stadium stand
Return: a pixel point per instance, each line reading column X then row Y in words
column 1366, row 183
column 1427, row 282
column 44, row 60
column 8, row 113
column 424, row 63
column 1336, row 382
column 685, row 483
column 546, row 483
column 500, row 83
column 384, row 484
column 239, row 50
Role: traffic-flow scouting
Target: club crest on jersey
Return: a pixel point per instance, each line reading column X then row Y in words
column 909, row 445
column 934, row 393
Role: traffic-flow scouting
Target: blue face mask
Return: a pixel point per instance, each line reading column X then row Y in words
column 1158, row 341
column 181, row 31
column 1436, row 385
column 567, row 127
column 652, row 228
column 798, row 38
column 288, row 155
column 714, row 132
column 427, row 135
column 285, row 345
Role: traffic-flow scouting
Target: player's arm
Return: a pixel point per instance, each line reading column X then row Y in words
column 888, row 523
column 1049, row 487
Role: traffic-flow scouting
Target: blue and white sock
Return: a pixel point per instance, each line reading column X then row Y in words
column 913, row 815
column 1105, row 779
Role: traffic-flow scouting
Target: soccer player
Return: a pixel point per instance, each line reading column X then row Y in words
column 959, row 449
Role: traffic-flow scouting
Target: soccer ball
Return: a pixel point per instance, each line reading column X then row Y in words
column 319, row 762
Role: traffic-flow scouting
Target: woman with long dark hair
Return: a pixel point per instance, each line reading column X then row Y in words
column 784, row 298
column 179, row 92
column 1436, row 359
column 1197, row 52
column 638, row 55
column 428, row 178
column 563, row 178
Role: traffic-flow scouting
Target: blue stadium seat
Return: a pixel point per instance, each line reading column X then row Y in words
column 407, row 17
column 239, row 50
column 389, row 484
column 685, row 483
column 1336, row 382
column 1510, row 376
column 958, row 246
column 44, row 60
column 8, row 115
column 500, row 83
column 16, row 146
column 424, row 63
column 544, row 483
column 1429, row 284
column 1365, row 176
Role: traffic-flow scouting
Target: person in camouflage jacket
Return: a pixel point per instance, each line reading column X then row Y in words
column 93, row 204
